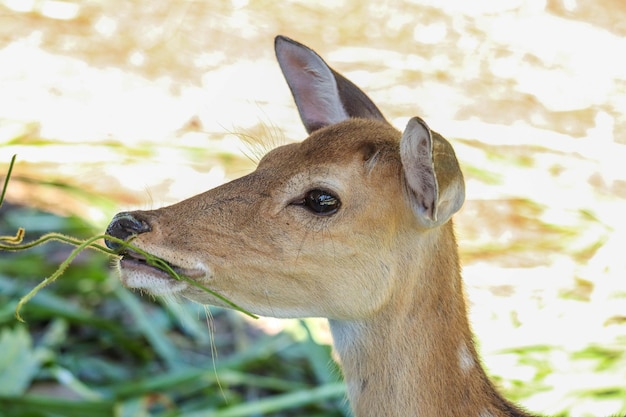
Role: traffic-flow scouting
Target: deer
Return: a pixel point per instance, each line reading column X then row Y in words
column 352, row 224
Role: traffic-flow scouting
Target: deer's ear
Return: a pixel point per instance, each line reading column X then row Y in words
column 433, row 177
column 323, row 96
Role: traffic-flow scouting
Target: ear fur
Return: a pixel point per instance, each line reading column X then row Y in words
column 434, row 180
column 323, row 96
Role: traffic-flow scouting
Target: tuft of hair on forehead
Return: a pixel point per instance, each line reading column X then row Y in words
column 259, row 139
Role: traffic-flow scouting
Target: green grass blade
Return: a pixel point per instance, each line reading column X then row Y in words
column 277, row 403
column 6, row 180
column 11, row 243
column 34, row 404
column 158, row 339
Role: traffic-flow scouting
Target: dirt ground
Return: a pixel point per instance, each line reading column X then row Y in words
column 138, row 104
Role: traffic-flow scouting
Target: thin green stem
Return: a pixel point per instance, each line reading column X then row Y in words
column 8, row 243
column 14, row 243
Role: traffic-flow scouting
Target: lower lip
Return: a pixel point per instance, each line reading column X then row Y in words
column 133, row 264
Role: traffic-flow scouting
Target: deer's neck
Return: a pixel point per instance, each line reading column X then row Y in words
column 416, row 356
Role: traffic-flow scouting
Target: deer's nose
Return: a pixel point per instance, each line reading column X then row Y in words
column 124, row 226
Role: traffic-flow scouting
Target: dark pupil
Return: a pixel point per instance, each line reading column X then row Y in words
column 321, row 202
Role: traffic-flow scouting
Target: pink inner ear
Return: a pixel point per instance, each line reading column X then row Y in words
column 323, row 96
column 312, row 84
column 417, row 163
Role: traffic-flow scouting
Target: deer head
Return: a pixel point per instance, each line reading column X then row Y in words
column 321, row 227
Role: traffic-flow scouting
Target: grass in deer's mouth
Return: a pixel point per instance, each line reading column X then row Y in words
column 14, row 243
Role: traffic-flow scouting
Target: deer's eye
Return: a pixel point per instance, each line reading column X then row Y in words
column 321, row 202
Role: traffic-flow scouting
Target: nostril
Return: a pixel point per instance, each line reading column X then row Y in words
column 124, row 226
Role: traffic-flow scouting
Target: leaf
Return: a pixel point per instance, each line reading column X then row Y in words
column 19, row 362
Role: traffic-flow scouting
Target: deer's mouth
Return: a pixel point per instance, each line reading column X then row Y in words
column 137, row 272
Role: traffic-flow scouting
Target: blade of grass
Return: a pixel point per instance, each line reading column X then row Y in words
column 318, row 356
column 264, row 348
column 159, row 340
column 6, row 180
column 186, row 313
column 278, row 402
column 161, row 382
column 33, row 404
column 231, row 377
column 134, row 407
column 50, row 305
column 19, row 235
column 65, row 377
column 8, row 244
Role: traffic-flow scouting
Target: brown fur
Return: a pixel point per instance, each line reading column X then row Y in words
column 392, row 290
column 383, row 269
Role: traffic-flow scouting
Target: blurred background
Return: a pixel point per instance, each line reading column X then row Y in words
column 113, row 105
